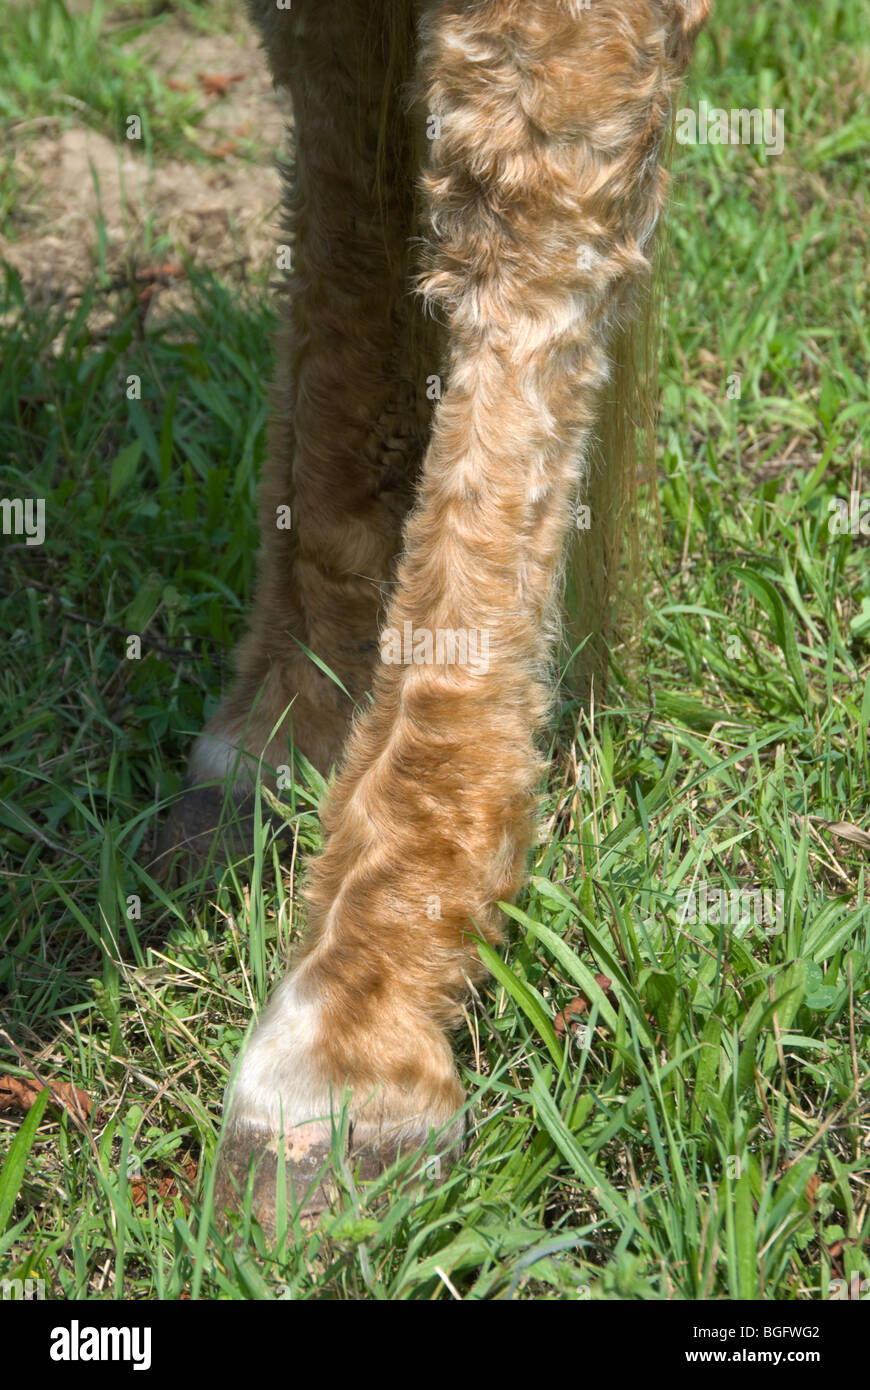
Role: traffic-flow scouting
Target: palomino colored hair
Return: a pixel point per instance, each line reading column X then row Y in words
column 504, row 156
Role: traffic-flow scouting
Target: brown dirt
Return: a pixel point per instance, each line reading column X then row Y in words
column 223, row 212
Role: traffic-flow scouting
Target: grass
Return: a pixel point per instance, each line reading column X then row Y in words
column 701, row 1130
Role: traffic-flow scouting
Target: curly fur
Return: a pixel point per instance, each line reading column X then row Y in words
column 540, row 195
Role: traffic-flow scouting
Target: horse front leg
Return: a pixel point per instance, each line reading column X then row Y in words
column 543, row 190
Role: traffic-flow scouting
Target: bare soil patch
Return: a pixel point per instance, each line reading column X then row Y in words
column 222, row 210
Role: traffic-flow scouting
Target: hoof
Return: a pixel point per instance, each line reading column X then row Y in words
column 207, row 825
column 249, row 1155
column 308, row 1176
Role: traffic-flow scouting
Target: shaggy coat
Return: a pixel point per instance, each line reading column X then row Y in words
column 504, row 156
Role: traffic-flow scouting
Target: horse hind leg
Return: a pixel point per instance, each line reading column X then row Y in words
column 350, row 413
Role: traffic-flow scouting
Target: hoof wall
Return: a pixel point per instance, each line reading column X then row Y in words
column 207, row 825
column 308, row 1173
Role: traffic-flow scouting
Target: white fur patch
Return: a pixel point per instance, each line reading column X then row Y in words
column 276, row 1085
column 215, row 759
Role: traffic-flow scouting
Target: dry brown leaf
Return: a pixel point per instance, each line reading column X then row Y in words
column 164, row 1187
column 576, row 1008
column 843, row 830
column 570, row 1015
column 19, row 1093
column 217, row 85
column 224, row 149
column 165, row 270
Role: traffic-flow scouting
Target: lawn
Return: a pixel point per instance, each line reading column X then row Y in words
column 668, row 1071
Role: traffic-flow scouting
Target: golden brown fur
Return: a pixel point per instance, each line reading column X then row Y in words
column 541, row 193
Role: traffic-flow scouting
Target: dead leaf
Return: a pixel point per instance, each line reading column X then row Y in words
column 217, row 85
column 570, row 1015
column 225, row 148
column 164, row 1187
column 19, row 1093
column 843, row 830
column 167, row 270
column 175, row 85
column 576, row 1008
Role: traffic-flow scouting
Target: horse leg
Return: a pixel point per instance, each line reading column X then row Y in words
column 543, row 190
column 350, row 409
